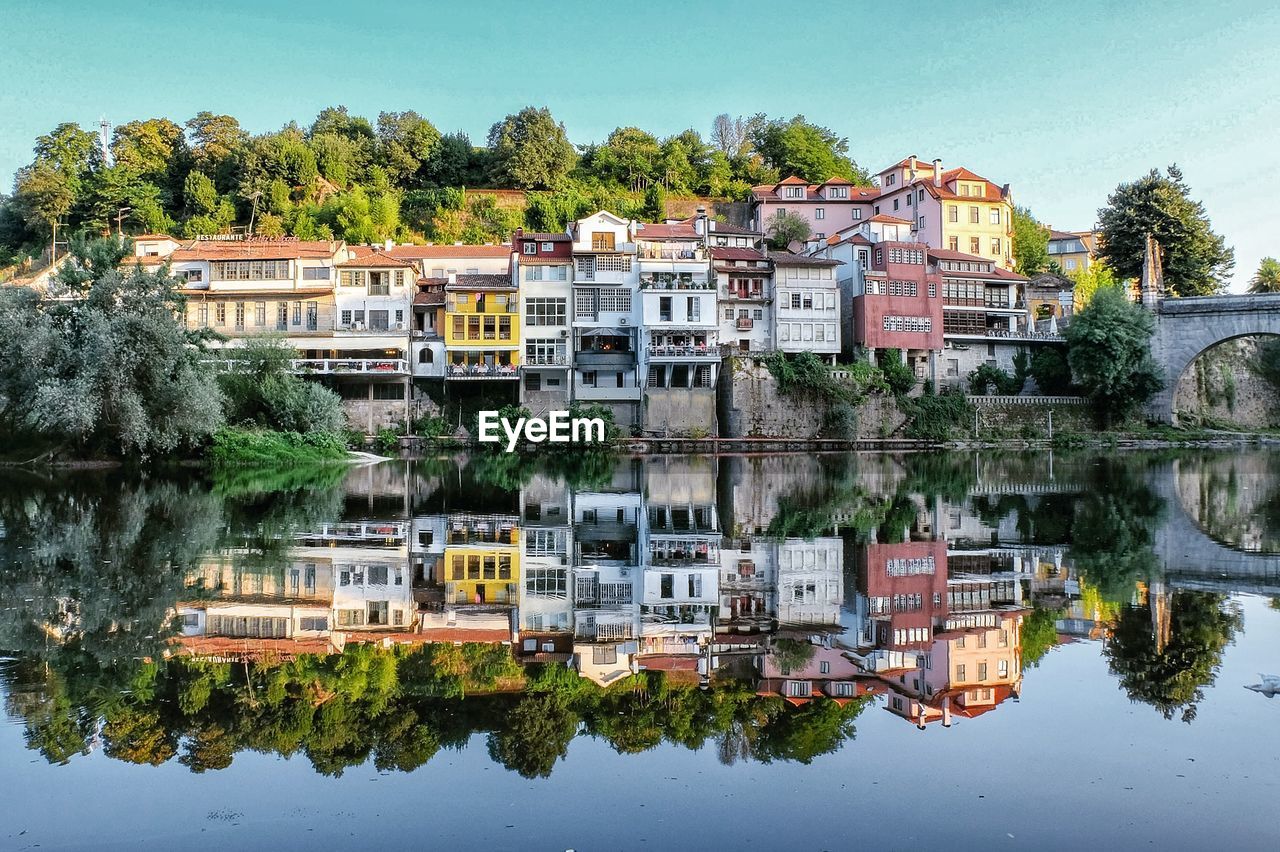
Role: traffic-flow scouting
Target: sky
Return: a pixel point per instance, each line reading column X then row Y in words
column 1063, row 101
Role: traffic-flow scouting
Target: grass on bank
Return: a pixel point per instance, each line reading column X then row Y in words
column 237, row 447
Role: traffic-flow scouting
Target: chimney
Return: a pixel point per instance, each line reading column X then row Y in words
column 388, row 245
column 911, row 173
column 937, row 172
column 700, row 221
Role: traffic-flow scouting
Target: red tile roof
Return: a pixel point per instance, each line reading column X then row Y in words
column 892, row 220
column 782, row 258
column 255, row 250
column 548, row 237
column 656, row 231
column 375, row 260
column 733, row 253
column 422, row 252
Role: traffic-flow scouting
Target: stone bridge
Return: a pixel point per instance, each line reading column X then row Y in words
column 1187, row 327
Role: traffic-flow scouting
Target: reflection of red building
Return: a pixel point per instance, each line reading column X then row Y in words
column 906, row 587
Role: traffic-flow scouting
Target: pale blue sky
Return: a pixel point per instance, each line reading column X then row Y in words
column 1061, row 100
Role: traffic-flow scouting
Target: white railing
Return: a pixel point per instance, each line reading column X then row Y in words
column 483, row 371
column 375, row 366
column 546, row 360
column 1027, row 400
column 684, row 351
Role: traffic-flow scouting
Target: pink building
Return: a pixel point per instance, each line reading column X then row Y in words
column 828, row 207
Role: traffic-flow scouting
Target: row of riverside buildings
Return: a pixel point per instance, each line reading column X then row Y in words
column 670, row 565
column 632, row 315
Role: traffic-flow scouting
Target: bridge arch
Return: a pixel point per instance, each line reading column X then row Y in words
column 1186, row 328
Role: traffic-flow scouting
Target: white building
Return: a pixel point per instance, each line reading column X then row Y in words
column 542, row 266
column 606, row 315
column 744, row 285
column 806, row 307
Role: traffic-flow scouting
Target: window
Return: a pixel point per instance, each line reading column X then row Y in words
column 259, row 313
column 975, row 245
column 667, row 586
column 819, row 213
column 319, row 622
column 664, row 309
column 982, row 671
column 960, row 673
column 890, row 180
column 530, row 247
column 695, row 585
column 953, row 243
column 838, row 192
column 202, row 314
column 615, row 299
column 895, row 204
column 795, row 301
column 315, row 273
column 220, row 313
column 540, row 311
column 602, row 241
column 1002, row 668
column 824, row 667
column 250, row 270
column 995, row 215
column 953, row 213
column 793, row 192
column 239, row 316
column 282, row 316
column 995, row 246
column 974, row 214
column 694, row 309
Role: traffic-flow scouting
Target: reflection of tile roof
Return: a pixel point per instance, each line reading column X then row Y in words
column 249, row 649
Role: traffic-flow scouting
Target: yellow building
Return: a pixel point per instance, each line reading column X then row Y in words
column 482, row 560
column 953, row 209
column 482, row 327
column 1073, row 250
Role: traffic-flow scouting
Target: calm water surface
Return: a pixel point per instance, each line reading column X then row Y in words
column 793, row 652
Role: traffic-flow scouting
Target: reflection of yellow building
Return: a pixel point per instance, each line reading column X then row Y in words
column 482, row 326
column 482, row 560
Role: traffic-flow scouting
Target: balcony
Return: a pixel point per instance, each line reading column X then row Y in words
column 343, row 366
column 709, row 352
column 654, row 283
column 745, row 323
column 618, row 359
column 688, row 255
column 603, row 269
column 546, row 360
column 482, row 371
column 606, row 394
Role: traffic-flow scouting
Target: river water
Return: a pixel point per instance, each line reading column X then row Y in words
column 798, row 652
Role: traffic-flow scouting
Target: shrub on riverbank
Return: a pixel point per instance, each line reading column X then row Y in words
column 260, row 389
column 252, row 448
column 937, row 417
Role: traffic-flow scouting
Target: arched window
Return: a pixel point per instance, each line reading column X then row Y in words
column 425, row 356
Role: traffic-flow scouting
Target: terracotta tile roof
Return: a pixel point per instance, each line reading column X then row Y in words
column 836, row 181
column 255, row 250
column 152, row 237
column 482, row 282
column 375, row 260
column 536, row 260
column 767, row 192
column 1062, row 235
column 733, row 253
column 487, row 635
column 792, row 181
column 429, row 299
column 547, row 237
column 656, row 231
column 782, row 258
column 892, row 220
column 727, row 229
column 424, row 252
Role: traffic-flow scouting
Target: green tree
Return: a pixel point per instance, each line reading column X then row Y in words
column 1030, row 243
column 1039, row 636
column 260, row 389
column 215, row 142
column 450, row 163
column 107, row 369
column 1195, row 262
column 531, row 150
column 1170, row 672
column 785, row 228
column 1086, row 282
column 407, row 141
column 1109, row 350
column 536, row 734
column 628, row 158
column 1050, row 369
column 799, row 147
column 43, row 194
column 1267, row 278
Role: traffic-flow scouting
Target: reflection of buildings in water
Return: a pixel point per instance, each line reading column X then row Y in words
column 942, row 629
column 638, row 573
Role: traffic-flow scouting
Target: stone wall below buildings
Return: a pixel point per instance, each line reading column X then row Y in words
column 683, row 412
column 1028, row 416
column 751, row 405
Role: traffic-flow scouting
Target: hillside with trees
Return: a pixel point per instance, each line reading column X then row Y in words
column 344, row 176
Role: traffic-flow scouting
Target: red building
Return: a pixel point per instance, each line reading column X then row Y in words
column 900, row 306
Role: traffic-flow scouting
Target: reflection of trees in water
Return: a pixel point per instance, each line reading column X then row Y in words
column 1168, row 649
column 369, row 704
column 1113, row 527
